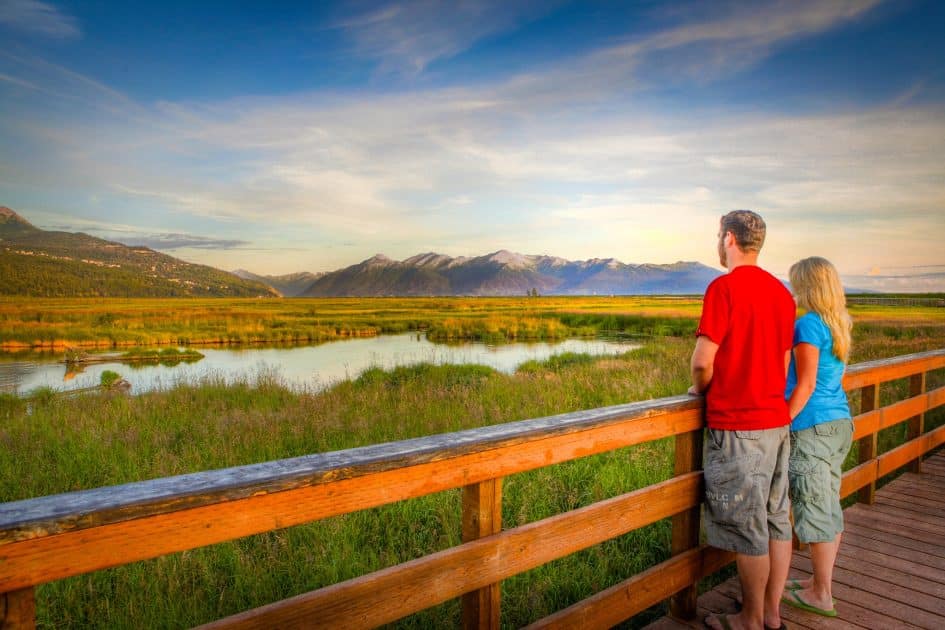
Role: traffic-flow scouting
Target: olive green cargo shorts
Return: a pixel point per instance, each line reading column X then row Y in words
column 746, row 486
column 814, row 474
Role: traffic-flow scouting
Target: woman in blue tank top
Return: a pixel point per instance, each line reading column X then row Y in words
column 821, row 428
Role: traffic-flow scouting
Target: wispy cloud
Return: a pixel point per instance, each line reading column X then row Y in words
column 182, row 241
column 40, row 18
column 407, row 36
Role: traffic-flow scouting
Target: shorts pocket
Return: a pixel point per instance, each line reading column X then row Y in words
column 806, row 480
column 827, row 429
column 730, row 490
column 748, row 435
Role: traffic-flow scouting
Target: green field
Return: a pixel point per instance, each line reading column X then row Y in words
column 57, row 323
column 55, row 444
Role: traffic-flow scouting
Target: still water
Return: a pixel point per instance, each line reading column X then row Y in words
column 301, row 367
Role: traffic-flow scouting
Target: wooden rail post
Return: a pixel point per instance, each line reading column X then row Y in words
column 868, row 446
column 18, row 610
column 916, row 423
column 482, row 516
column 686, row 524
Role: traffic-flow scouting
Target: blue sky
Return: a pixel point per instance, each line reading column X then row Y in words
column 284, row 137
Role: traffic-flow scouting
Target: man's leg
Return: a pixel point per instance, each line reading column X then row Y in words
column 779, row 552
column 753, row 574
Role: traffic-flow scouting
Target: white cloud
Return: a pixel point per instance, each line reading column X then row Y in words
column 405, row 37
column 39, row 18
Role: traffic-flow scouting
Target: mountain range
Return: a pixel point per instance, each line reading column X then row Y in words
column 500, row 273
column 46, row 263
column 39, row 262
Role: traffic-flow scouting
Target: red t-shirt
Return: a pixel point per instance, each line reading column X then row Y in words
column 750, row 314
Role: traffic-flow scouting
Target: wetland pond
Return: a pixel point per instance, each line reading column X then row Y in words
column 310, row 367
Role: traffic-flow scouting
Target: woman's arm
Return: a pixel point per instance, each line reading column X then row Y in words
column 805, row 362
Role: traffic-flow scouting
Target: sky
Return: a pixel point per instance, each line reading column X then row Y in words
column 280, row 137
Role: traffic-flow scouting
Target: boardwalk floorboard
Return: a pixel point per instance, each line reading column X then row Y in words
column 890, row 572
column 912, row 507
column 892, row 585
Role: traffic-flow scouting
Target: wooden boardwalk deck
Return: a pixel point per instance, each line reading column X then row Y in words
column 891, row 568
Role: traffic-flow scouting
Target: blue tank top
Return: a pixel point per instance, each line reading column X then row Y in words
column 829, row 401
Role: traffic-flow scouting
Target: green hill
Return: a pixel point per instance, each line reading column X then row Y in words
column 41, row 263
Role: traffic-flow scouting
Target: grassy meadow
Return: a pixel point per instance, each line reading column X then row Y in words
column 57, row 323
column 51, row 444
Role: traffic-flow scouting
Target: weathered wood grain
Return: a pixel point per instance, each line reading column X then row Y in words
column 18, row 610
column 882, row 370
column 868, row 448
column 601, row 429
column 620, row 602
column 389, row 594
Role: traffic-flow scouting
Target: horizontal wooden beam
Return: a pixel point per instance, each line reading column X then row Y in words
column 882, row 370
column 866, row 423
column 390, row 594
column 913, row 449
column 601, row 429
column 858, row 477
column 41, row 559
column 620, row 602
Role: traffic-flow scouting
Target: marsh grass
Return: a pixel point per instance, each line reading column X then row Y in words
column 51, row 444
column 58, row 323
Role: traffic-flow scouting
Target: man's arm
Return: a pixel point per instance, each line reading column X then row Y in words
column 701, row 366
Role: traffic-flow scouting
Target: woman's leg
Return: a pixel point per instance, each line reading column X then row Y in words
column 818, row 591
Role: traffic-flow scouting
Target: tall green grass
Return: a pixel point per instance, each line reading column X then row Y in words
column 51, row 444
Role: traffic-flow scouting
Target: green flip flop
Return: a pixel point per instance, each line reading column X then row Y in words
column 791, row 598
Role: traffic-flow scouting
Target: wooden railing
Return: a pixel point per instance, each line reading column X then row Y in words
column 54, row 537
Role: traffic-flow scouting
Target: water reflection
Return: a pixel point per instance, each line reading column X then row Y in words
column 303, row 367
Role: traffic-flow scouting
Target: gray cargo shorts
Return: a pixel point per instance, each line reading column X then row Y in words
column 746, row 487
column 815, row 472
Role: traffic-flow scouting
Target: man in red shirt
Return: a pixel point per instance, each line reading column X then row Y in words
column 743, row 348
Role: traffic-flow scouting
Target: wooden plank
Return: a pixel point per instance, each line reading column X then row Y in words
column 567, row 435
column 389, row 594
column 917, row 386
column 936, row 397
column 858, row 477
column 882, row 528
column 685, row 525
column 482, row 516
column 889, row 556
column 854, row 536
column 898, row 457
column 883, row 570
column 896, row 517
column 18, row 610
column 882, row 370
column 919, row 486
column 795, row 618
column 913, row 510
column 919, row 496
column 43, row 559
column 866, row 424
column 903, row 410
column 868, row 533
column 868, row 449
column 893, row 592
column 620, row 602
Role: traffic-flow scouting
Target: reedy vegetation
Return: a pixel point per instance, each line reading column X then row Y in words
column 54, row 444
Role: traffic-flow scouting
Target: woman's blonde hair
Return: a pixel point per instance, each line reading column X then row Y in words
column 817, row 288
